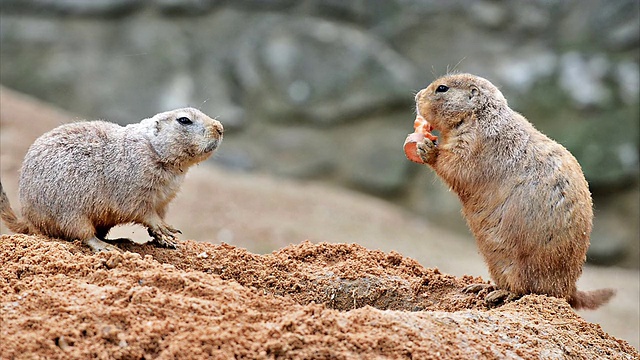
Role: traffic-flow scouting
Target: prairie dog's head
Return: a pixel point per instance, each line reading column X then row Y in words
column 455, row 101
column 183, row 137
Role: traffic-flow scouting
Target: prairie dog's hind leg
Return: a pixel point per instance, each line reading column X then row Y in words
column 499, row 297
column 96, row 245
column 494, row 297
column 476, row 288
column 92, row 236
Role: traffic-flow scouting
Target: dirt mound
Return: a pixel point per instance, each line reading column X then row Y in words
column 304, row 301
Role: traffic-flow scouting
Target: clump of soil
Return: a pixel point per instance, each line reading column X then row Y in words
column 58, row 300
column 341, row 276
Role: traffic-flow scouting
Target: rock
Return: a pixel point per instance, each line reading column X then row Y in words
column 488, row 13
column 627, row 74
column 74, row 7
column 366, row 12
column 253, row 5
column 583, row 78
column 621, row 18
column 604, row 163
column 431, row 198
column 185, row 7
column 319, row 72
column 609, row 244
column 373, row 163
column 235, row 156
column 625, row 36
column 521, row 71
column 532, row 17
column 296, row 152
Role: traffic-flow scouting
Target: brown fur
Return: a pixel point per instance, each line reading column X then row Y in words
column 81, row 179
column 524, row 196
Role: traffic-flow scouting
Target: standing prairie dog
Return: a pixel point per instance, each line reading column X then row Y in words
column 81, row 179
column 524, row 196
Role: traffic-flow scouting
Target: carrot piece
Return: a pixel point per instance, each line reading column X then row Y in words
column 422, row 126
column 410, row 147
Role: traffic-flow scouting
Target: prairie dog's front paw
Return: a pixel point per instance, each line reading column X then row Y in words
column 164, row 235
column 427, row 150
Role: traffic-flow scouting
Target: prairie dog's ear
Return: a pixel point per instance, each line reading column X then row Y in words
column 151, row 126
column 473, row 92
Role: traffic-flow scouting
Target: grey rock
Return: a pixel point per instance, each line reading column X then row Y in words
column 627, row 74
column 431, row 198
column 521, row 71
column 532, row 17
column 608, row 154
column 611, row 230
column 74, row 7
column 319, row 72
column 622, row 21
column 234, row 156
column 583, row 78
column 369, row 11
column 625, row 36
column 488, row 13
column 269, row 5
column 373, row 159
column 185, row 7
column 296, row 152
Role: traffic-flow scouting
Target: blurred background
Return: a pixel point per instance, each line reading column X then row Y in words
column 322, row 90
column 316, row 97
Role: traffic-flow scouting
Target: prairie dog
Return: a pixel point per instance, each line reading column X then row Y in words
column 523, row 195
column 80, row 179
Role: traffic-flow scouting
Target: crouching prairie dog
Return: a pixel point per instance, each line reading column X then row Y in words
column 523, row 195
column 81, row 179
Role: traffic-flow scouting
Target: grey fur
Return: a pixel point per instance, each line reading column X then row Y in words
column 81, row 179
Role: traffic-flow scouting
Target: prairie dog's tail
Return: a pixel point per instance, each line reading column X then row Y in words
column 9, row 217
column 590, row 299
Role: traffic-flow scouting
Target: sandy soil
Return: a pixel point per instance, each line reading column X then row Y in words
column 311, row 301
column 262, row 214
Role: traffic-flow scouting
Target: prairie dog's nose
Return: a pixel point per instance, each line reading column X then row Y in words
column 216, row 128
column 418, row 95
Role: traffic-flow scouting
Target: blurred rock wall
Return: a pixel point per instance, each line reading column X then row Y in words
column 323, row 89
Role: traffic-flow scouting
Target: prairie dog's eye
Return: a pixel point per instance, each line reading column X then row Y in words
column 442, row 88
column 184, row 120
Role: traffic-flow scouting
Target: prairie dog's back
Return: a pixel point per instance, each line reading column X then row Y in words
column 66, row 172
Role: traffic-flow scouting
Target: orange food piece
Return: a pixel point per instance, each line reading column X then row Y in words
column 422, row 129
column 422, row 126
column 410, row 147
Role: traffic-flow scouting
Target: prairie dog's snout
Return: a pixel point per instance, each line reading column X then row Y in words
column 216, row 129
column 214, row 132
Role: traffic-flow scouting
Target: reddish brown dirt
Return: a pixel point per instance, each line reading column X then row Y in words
column 311, row 301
